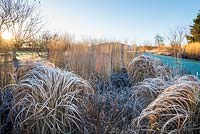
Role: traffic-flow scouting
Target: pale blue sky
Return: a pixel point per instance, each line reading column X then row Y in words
column 134, row 21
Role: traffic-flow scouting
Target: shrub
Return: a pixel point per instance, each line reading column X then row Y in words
column 109, row 112
column 7, row 114
column 111, row 109
column 120, row 79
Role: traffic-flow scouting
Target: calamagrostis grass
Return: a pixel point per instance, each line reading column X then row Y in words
column 172, row 111
column 49, row 100
column 143, row 67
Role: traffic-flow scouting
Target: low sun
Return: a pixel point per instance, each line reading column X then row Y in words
column 7, row 35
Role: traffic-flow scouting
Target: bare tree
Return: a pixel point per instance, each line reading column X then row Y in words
column 178, row 36
column 21, row 18
column 159, row 40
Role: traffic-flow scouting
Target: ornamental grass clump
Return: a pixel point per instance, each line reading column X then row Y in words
column 146, row 91
column 173, row 111
column 143, row 67
column 49, row 100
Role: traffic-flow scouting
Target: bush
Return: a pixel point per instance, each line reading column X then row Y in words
column 111, row 109
column 7, row 114
column 108, row 113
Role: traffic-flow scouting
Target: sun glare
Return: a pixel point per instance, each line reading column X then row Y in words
column 7, row 35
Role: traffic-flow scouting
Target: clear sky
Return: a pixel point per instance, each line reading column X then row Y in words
column 135, row 21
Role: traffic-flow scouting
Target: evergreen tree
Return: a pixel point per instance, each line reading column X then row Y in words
column 195, row 30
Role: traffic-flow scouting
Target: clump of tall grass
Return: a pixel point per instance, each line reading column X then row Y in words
column 173, row 111
column 49, row 100
column 143, row 67
column 146, row 91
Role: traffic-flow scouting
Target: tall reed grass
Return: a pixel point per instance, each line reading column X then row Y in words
column 192, row 51
column 90, row 57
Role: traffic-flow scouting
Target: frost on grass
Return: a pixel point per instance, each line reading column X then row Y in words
column 27, row 66
column 173, row 111
column 143, row 67
column 49, row 100
column 186, row 78
column 111, row 108
column 148, row 100
column 109, row 112
column 6, row 112
column 146, row 91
